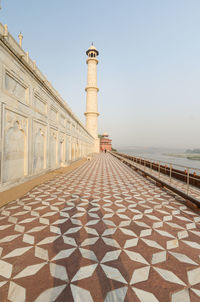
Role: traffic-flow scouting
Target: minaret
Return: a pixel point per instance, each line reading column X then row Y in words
column 91, row 89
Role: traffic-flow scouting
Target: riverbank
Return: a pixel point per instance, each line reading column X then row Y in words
column 190, row 156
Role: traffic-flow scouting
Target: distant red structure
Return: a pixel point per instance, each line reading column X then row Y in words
column 105, row 143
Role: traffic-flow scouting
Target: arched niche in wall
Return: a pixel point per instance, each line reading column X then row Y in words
column 15, row 147
column 39, row 152
column 53, row 148
column 61, row 151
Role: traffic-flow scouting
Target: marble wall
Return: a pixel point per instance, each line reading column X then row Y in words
column 38, row 131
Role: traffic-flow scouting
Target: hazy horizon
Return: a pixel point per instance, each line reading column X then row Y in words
column 149, row 63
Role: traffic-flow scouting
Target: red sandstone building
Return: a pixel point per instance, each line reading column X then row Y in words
column 105, row 142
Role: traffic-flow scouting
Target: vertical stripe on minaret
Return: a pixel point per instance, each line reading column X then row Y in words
column 91, row 89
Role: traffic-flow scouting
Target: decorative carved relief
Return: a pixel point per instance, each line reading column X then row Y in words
column 61, row 151
column 68, row 125
column 53, row 148
column 15, row 150
column 40, row 105
column 62, row 120
column 39, row 152
column 53, row 114
column 67, row 148
column 16, row 88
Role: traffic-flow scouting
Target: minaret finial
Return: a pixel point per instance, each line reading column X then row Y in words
column 92, row 43
column 20, row 36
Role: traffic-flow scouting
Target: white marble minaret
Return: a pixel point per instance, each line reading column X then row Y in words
column 91, row 89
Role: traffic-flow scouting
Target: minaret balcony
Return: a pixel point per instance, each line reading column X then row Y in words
column 91, row 87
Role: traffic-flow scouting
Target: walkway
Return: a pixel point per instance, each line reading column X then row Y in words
column 100, row 233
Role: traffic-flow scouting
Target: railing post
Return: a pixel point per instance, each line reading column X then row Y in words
column 170, row 173
column 188, row 179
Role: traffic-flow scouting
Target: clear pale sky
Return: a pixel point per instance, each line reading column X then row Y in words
column 149, row 62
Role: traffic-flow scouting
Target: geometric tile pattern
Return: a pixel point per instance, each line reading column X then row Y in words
column 99, row 233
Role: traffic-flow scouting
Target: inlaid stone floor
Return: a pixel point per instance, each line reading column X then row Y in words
column 99, row 233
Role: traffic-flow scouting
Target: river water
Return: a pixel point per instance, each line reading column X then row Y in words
column 161, row 155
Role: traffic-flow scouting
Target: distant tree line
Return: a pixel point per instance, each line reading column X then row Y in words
column 195, row 151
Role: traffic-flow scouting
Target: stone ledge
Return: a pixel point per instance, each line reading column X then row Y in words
column 20, row 190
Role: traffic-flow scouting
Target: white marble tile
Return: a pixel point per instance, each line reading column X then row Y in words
column 140, row 274
column 29, row 270
column 50, row 294
column 36, row 229
column 116, row 295
column 60, row 221
column 159, row 257
column 3, row 227
column 110, row 231
column 17, row 252
column 111, row 242
column 49, row 214
column 183, row 258
column 27, row 220
column 182, row 234
column 192, row 244
column 91, row 231
column 5, row 269
column 168, row 276
column 89, row 241
column 58, row 271
column 48, row 240
column 55, row 230
column 9, row 238
column 84, row 272
column 196, row 291
column 164, row 233
column 131, row 243
column 3, row 283
column 182, row 295
column 63, row 254
column 145, row 233
column 73, row 230
column 110, row 256
column 194, row 276
column 16, row 293
column 28, row 239
column 172, row 244
column 69, row 240
column 145, row 296
column 152, row 243
column 88, row 254
column 136, row 257
column 41, row 253
column 80, row 295
column 113, row 273
column 128, row 232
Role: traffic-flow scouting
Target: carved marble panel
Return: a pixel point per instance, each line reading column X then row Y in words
column 53, row 114
column 73, row 155
column 61, row 149
column 39, row 147
column 15, row 146
column 53, row 147
column 14, row 87
column 62, row 120
column 68, row 125
column 40, row 105
column 67, row 148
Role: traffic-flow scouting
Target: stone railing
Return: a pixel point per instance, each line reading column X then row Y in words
column 38, row 130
